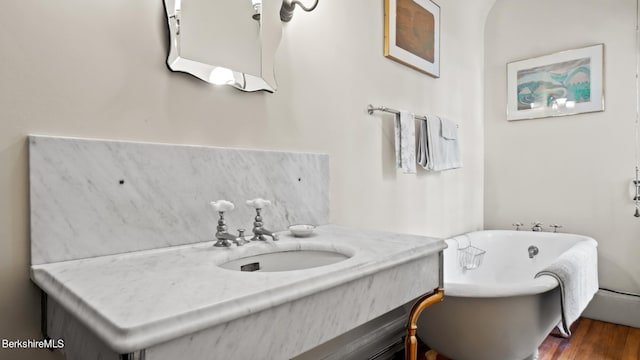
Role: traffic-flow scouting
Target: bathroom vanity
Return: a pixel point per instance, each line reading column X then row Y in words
column 178, row 303
column 123, row 251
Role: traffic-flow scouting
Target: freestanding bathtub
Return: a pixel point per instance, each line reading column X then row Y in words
column 498, row 311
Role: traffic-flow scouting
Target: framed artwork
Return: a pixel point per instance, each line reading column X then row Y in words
column 412, row 34
column 565, row 83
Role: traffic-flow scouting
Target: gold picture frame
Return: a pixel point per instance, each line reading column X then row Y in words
column 412, row 34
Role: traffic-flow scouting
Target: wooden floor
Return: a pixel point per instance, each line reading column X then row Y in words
column 592, row 340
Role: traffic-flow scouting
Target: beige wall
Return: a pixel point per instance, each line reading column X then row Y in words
column 97, row 69
column 572, row 170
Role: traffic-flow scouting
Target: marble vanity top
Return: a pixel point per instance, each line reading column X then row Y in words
column 138, row 299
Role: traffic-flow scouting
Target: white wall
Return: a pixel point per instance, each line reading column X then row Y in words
column 572, row 170
column 97, row 69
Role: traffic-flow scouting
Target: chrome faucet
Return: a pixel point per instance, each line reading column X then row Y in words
column 537, row 226
column 259, row 232
column 517, row 225
column 223, row 238
column 533, row 251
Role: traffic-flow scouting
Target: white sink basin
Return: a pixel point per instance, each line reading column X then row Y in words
column 285, row 260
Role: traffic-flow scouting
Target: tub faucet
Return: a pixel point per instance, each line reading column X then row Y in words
column 533, row 251
column 223, row 238
column 555, row 227
column 537, row 226
column 517, row 225
column 259, row 232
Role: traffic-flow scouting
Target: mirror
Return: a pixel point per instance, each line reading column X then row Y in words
column 231, row 42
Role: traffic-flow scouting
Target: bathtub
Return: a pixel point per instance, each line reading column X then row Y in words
column 498, row 311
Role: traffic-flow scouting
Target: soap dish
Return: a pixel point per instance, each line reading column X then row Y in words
column 301, row 230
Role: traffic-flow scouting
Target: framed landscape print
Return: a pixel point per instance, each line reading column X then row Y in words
column 412, row 34
column 565, row 83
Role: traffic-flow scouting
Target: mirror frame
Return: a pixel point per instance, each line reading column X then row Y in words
column 269, row 20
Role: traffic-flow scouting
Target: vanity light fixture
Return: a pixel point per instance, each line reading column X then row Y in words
column 286, row 11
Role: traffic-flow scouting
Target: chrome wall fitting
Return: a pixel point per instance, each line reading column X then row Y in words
column 288, row 6
column 636, row 198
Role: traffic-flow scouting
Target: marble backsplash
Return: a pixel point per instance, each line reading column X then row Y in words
column 99, row 197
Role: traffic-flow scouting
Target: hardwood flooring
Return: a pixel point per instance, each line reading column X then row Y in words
column 591, row 340
column 594, row 339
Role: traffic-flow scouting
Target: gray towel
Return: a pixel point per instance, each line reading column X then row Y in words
column 577, row 273
column 424, row 155
column 406, row 142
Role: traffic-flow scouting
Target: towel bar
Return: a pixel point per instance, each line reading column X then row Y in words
column 371, row 109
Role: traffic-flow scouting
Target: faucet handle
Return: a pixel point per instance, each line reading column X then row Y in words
column 258, row 203
column 555, row 227
column 536, row 223
column 517, row 225
column 222, row 205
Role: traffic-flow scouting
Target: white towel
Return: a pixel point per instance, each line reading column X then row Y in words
column 448, row 129
column 577, row 273
column 405, row 130
column 438, row 147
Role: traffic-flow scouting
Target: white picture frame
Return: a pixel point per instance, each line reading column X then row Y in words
column 564, row 83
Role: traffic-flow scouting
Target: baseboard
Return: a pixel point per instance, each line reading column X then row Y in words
column 614, row 308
